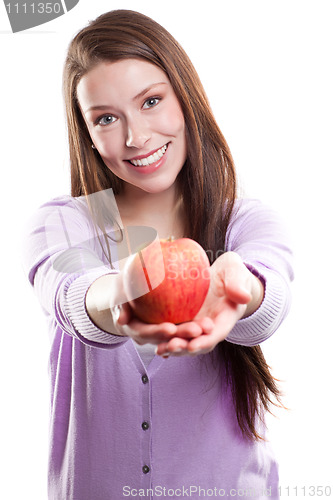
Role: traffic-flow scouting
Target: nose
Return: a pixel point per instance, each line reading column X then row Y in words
column 137, row 134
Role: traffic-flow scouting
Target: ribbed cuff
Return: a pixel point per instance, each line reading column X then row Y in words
column 266, row 319
column 75, row 308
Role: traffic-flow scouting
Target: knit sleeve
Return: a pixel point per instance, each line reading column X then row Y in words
column 62, row 257
column 258, row 235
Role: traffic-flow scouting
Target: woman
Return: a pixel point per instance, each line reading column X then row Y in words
column 188, row 419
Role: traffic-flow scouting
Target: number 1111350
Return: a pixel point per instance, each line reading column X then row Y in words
column 34, row 8
column 305, row 491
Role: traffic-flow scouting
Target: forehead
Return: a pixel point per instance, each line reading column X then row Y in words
column 125, row 79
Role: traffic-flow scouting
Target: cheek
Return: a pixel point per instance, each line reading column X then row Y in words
column 109, row 148
column 178, row 123
column 173, row 120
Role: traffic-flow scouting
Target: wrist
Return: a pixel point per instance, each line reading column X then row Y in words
column 101, row 300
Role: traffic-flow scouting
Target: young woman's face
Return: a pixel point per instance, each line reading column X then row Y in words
column 135, row 122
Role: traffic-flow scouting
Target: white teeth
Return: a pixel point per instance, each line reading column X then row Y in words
column 150, row 159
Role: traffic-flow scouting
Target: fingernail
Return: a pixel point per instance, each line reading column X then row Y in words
column 115, row 313
column 196, row 351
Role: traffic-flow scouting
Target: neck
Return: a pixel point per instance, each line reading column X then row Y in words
column 162, row 211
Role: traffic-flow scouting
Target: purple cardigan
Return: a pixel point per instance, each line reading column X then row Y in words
column 119, row 429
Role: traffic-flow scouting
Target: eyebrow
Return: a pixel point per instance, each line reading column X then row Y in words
column 138, row 96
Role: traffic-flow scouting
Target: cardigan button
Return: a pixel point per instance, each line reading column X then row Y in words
column 144, row 379
column 145, row 469
column 145, row 426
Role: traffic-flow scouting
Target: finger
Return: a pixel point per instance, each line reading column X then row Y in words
column 230, row 277
column 206, row 324
column 162, row 348
column 122, row 313
column 237, row 281
column 237, row 293
column 152, row 333
column 174, row 347
column 205, row 345
column 189, row 329
column 224, row 322
column 177, row 345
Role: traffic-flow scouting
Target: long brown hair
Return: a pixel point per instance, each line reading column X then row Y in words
column 207, row 180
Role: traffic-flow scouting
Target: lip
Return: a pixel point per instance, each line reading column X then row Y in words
column 148, row 169
column 140, row 157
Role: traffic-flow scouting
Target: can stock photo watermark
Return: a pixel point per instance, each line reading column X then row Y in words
column 197, row 491
column 25, row 14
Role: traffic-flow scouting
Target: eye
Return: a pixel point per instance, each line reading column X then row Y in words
column 105, row 120
column 151, row 102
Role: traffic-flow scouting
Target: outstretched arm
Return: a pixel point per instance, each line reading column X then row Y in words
column 249, row 295
column 234, row 293
column 107, row 307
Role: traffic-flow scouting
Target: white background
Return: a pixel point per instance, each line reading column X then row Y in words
column 267, row 69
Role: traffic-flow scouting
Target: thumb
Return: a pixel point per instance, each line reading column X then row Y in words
column 237, row 280
column 121, row 314
column 237, row 292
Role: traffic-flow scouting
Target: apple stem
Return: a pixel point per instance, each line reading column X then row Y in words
column 171, row 238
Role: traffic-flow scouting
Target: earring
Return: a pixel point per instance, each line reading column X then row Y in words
column 93, row 146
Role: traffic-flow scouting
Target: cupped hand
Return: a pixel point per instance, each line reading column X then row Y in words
column 129, row 325
column 234, row 293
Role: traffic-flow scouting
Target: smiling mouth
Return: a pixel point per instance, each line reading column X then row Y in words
column 149, row 160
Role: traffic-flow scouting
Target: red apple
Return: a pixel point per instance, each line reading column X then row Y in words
column 168, row 281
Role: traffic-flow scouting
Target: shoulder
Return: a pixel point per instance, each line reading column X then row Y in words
column 58, row 223
column 250, row 207
column 63, row 235
column 258, row 229
column 257, row 232
column 63, row 201
column 62, row 209
column 254, row 219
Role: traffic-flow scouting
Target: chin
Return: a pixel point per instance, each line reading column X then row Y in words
column 159, row 187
